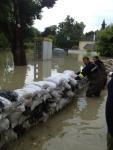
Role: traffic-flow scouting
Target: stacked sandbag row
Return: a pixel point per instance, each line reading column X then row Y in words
column 34, row 103
column 108, row 65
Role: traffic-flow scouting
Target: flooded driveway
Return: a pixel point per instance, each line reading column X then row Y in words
column 79, row 126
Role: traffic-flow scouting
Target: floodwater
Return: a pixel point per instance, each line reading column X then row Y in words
column 79, row 126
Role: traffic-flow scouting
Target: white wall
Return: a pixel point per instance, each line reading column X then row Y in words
column 47, row 50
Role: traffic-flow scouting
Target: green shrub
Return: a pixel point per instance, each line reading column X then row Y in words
column 104, row 41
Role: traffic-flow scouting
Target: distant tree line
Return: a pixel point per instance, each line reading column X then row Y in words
column 67, row 34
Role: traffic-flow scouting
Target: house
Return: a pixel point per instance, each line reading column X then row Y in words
column 88, row 41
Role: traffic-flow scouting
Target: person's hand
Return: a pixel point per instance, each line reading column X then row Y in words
column 77, row 73
column 77, row 78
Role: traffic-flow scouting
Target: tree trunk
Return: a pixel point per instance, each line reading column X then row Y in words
column 19, row 57
column 17, row 48
column 17, row 44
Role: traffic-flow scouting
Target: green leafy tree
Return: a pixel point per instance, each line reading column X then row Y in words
column 3, row 41
column 89, row 36
column 29, row 36
column 104, row 41
column 69, row 33
column 15, row 17
column 31, row 33
column 50, row 32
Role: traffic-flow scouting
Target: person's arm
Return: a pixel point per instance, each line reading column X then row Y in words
column 86, row 70
column 109, row 108
column 82, row 74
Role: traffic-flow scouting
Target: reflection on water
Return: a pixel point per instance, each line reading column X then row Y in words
column 81, row 125
column 15, row 77
column 42, row 69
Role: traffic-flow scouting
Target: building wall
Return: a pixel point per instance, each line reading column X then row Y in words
column 83, row 43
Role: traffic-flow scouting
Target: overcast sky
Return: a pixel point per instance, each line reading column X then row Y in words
column 91, row 12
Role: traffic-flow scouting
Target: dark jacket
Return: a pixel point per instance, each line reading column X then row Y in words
column 90, row 70
column 109, row 107
column 101, row 67
column 99, row 63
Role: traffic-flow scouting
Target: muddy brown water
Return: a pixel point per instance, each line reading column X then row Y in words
column 79, row 126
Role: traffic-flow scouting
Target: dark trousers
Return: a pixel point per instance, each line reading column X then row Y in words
column 94, row 89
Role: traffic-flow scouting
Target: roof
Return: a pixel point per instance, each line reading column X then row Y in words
column 89, row 46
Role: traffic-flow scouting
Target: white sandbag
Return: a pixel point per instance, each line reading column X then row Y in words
column 65, row 84
column 35, row 103
column 6, row 104
column 46, row 97
column 34, row 90
column 10, row 135
column 4, row 124
column 27, row 93
column 67, row 77
column 3, row 115
column 26, row 124
column 55, row 79
column 23, row 94
column 21, row 108
column 45, row 84
column 71, row 76
column 31, row 89
column 70, row 94
column 70, row 73
column 56, row 94
column 58, row 78
column 5, row 101
column 61, row 104
column 73, row 82
column 22, row 119
column 52, row 109
column 14, row 118
column 34, row 87
column 38, row 100
column 45, row 116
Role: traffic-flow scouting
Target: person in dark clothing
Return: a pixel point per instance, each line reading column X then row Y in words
column 109, row 115
column 102, row 70
column 91, row 71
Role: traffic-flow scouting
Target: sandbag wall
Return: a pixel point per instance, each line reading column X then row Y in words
column 35, row 102
column 108, row 65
